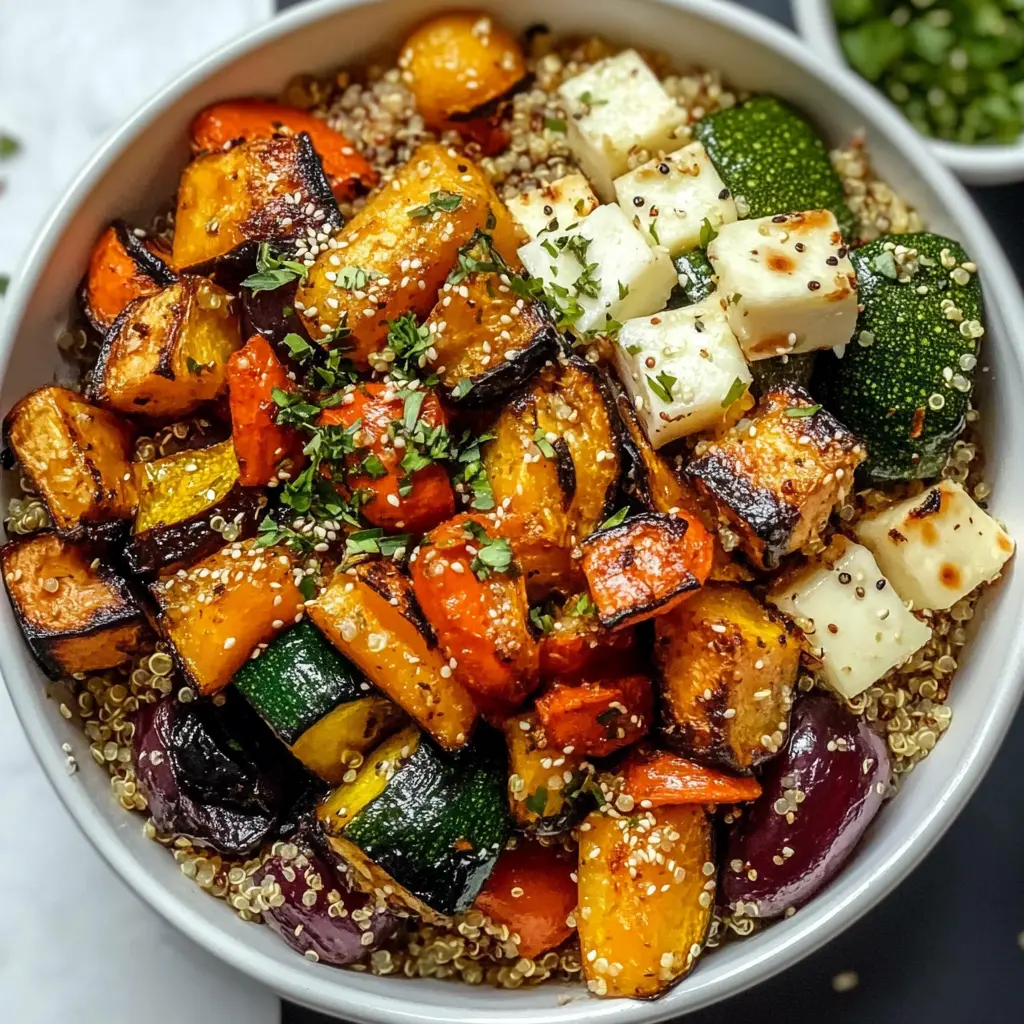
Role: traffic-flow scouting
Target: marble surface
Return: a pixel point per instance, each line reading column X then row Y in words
column 75, row 944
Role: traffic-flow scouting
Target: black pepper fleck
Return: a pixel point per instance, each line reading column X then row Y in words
column 844, row 578
column 638, row 200
column 814, row 285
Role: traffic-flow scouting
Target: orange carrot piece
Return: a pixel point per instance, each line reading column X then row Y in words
column 664, row 780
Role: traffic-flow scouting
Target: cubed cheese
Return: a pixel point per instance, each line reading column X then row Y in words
column 670, row 198
column 786, row 282
column 937, row 547
column 553, row 207
column 683, row 368
column 852, row 617
column 618, row 107
column 601, row 270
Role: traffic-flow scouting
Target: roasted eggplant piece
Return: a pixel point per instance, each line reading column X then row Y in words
column 819, row 797
column 77, row 458
column 271, row 314
column 181, row 497
column 168, row 353
column 76, row 613
column 265, row 190
column 122, row 267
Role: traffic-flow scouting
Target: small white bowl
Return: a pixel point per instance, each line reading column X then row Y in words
column 137, row 170
column 975, row 165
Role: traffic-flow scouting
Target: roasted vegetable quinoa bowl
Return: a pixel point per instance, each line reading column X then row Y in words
column 515, row 509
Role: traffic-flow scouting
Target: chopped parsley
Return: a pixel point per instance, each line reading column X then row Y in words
column 273, row 272
column 652, row 227
column 800, row 412
column 542, row 619
column 298, row 347
column 197, row 369
column 583, row 606
column 591, row 100
column 307, row 587
column 375, row 542
column 662, row 385
column 477, row 256
column 555, row 124
column 615, row 519
column 408, row 341
column 441, row 201
column 735, row 390
column 493, row 554
column 541, row 441
column 462, row 389
column 707, row 233
column 355, row 278
column 537, row 801
column 470, row 474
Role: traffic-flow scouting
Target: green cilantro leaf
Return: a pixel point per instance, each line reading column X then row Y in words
column 298, row 347
column 541, row 441
column 615, row 519
column 537, row 801
column 493, row 554
column 272, row 272
column 441, row 201
column 707, row 233
column 463, row 388
column 355, row 278
column 736, row 390
column 662, row 385
column 800, row 412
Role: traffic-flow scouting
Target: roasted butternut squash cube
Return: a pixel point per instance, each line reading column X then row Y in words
column 775, row 478
column 575, row 644
column 264, row 190
column 168, row 353
column 400, row 248
column 77, row 614
column 77, row 457
column 728, row 667
column 216, row 613
column 647, row 894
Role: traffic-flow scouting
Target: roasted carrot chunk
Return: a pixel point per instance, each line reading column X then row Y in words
column 241, row 120
column 261, row 443
column 399, row 496
column 574, row 642
column 597, row 718
column 638, row 569
column 531, row 890
column 663, row 780
column 470, row 592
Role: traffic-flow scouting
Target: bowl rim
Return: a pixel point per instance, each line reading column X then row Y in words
column 794, row 938
column 976, row 165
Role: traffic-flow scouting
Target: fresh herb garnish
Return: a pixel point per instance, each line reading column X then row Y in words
column 590, row 100
column 298, row 348
column 633, row 349
column 583, row 607
column 541, row 441
column 470, row 473
column 375, row 542
column 408, row 341
column 307, row 587
column 800, row 412
column 8, row 147
column 477, row 256
column 652, row 227
column 555, row 124
column 493, row 554
column 542, row 619
column 615, row 519
column 198, row 369
column 537, row 801
column 707, row 233
column 735, row 390
column 273, row 272
column 463, row 388
column 441, row 201
column 662, row 385
column 355, row 278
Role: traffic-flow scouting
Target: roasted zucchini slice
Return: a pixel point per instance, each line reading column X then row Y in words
column 316, row 701
column 265, row 190
column 167, row 354
column 76, row 613
column 181, row 497
column 77, row 458
column 728, row 667
column 418, row 827
column 371, row 615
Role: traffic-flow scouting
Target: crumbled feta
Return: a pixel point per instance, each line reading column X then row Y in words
column 617, row 107
column 553, row 207
column 683, row 368
column 853, row 618
column 601, row 270
column 670, row 199
column 937, row 547
column 786, row 282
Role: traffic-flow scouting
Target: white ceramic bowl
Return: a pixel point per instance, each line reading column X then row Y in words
column 976, row 165
column 140, row 166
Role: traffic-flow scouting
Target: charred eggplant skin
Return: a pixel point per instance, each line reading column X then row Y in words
column 841, row 767
column 510, row 374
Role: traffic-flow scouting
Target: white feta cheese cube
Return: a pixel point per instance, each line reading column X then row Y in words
column 553, row 207
column 601, row 270
column 852, row 617
column 670, row 198
column 618, row 107
column 937, row 547
column 683, row 369
column 787, row 283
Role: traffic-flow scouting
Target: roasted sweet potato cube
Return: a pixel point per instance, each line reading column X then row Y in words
column 76, row 612
column 168, row 353
column 776, row 480
column 400, row 248
column 216, row 613
column 646, row 897
column 575, row 644
column 728, row 667
column 265, row 190
column 77, row 457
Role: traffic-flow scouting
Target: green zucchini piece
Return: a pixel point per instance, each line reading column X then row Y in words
column 696, row 277
column 781, row 372
column 904, row 383
column 316, row 701
column 766, row 153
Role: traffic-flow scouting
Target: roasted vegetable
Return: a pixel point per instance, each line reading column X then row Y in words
column 728, row 668
column 575, row 644
column 782, row 372
column 532, row 892
column 638, row 570
column 122, row 268
column 372, row 617
column 646, row 895
column 265, row 190
column 76, row 613
column 167, row 354
column 776, row 481
column 396, row 252
column 271, row 314
column 657, row 779
column 217, row 612
column 316, row 701
column 266, row 450
column 696, row 277
column 76, row 457
column 225, row 124
column 554, row 466
column 597, row 718
column 182, row 499
column 831, row 780
column 425, row 829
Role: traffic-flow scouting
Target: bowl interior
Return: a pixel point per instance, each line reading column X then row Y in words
column 138, row 172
